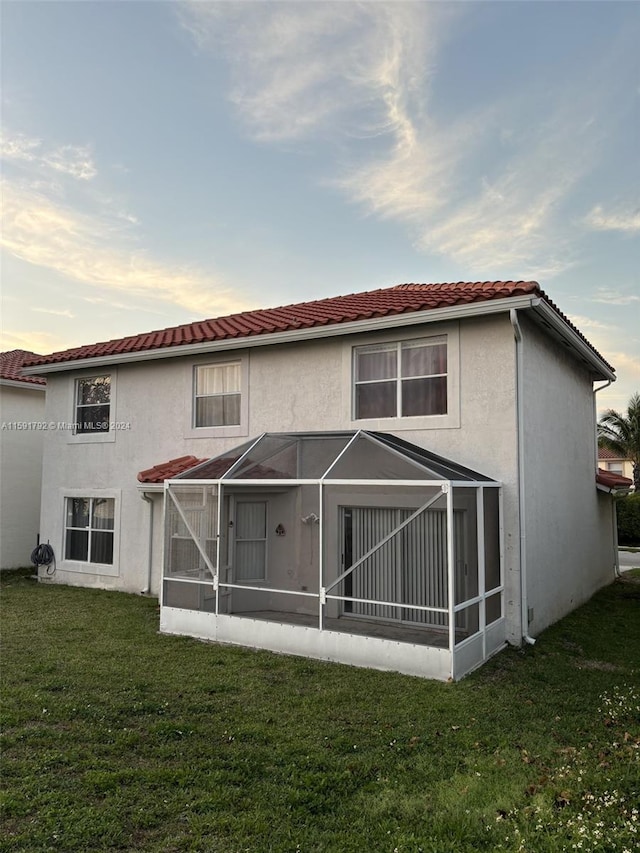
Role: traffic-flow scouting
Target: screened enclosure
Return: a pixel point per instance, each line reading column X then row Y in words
column 357, row 547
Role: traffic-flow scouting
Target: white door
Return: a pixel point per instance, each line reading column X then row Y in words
column 250, row 551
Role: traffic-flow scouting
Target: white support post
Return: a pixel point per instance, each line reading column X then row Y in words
column 446, row 488
column 501, row 546
column 322, row 596
column 481, row 567
column 216, row 579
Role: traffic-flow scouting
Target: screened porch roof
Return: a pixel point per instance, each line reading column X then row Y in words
column 346, row 455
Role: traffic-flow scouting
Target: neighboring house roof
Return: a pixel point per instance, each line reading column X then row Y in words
column 331, row 313
column 605, row 453
column 612, row 481
column 11, row 363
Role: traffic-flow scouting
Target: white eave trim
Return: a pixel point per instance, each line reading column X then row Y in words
column 150, row 487
column 25, row 386
column 393, row 321
column 612, row 490
column 553, row 319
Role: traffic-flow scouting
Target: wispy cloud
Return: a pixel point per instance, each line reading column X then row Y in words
column 588, row 324
column 73, row 160
column 40, row 342
column 56, row 313
column 625, row 220
column 92, row 240
column 295, row 69
column 88, row 249
column 360, row 75
column 615, row 297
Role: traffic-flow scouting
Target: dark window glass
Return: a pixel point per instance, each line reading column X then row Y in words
column 376, row 400
column 424, row 396
column 93, row 404
column 77, row 543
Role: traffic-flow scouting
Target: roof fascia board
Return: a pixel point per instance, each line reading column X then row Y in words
column 151, row 487
column 613, row 490
column 411, row 318
column 17, row 383
column 564, row 330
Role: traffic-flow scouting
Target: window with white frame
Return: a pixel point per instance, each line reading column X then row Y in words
column 217, row 395
column 92, row 404
column 89, row 530
column 400, row 379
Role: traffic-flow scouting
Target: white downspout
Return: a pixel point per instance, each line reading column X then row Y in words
column 595, row 416
column 524, row 610
column 145, row 497
column 614, row 522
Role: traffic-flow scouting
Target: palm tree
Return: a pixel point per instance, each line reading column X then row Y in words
column 621, row 433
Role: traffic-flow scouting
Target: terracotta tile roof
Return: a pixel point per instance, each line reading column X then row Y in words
column 207, row 470
column 215, row 468
column 167, row 470
column 305, row 315
column 605, row 453
column 11, row 363
column 611, row 480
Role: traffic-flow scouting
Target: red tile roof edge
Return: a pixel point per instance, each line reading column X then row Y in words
column 167, row 470
column 383, row 302
column 11, row 363
column 605, row 453
column 611, row 480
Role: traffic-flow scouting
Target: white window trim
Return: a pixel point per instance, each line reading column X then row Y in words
column 228, row 431
column 419, row 422
column 91, row 437
column 80, row 566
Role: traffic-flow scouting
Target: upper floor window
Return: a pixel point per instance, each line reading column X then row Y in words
column 92, row 404
column 89, row 530
column 401, row 379
column 217, row 395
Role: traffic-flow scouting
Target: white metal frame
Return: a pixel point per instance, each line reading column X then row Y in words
column 471, row 651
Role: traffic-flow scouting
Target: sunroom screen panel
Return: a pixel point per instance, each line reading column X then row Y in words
column 368, row 460
column 317, row 453
column 191, row 526
column 269, row 449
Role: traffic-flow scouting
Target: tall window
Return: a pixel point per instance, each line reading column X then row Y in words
column 89, row 526
column 217, row 395
column 93, row 404
column 400, row 380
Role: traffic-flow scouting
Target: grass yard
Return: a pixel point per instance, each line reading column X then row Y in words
column 118, row 738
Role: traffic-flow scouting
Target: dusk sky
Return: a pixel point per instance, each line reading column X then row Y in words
column 165, row 162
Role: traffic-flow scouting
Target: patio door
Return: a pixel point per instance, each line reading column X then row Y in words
column 409, row 569
column 250, row 541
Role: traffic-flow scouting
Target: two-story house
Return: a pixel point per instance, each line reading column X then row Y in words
column 22, row 400
column 403, row 478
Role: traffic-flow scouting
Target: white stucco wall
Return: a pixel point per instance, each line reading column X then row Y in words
column 21, row 473
column 297, row 387
column 568, row 522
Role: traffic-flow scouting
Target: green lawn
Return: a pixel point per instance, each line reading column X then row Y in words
column 118, row 738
